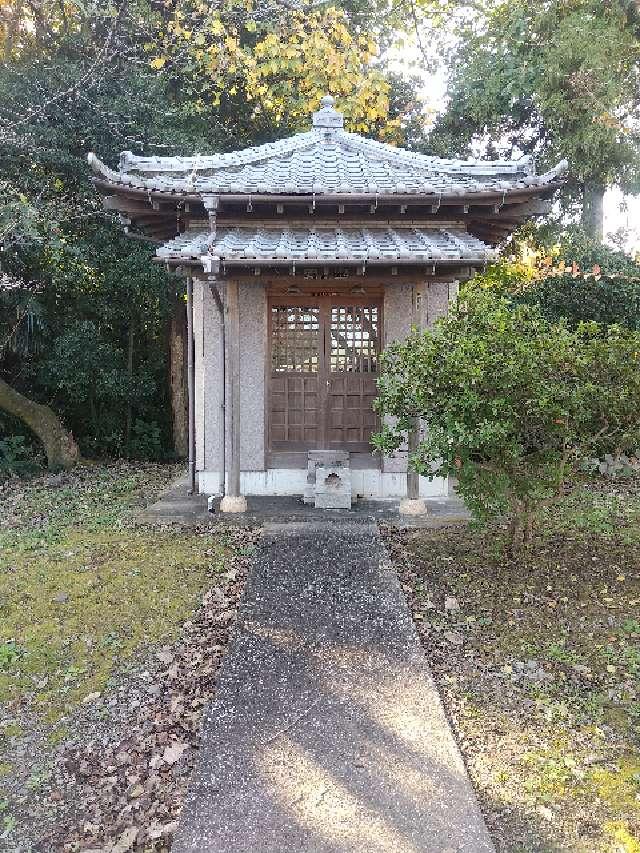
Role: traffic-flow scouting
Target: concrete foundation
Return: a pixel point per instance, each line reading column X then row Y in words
column 368, row 483
column 173, row 506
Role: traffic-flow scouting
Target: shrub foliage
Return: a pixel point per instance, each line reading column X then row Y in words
column 513, row 402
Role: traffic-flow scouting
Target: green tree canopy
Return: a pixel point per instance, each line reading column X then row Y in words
column 83, row 313
column 557, row 78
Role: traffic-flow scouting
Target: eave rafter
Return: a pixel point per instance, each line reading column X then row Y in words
column 491, row 216
column 490, row 200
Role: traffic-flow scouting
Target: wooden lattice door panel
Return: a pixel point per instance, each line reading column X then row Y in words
column 295, row 339
column 355, row 339
column 351, row 417
column 354, row 348
column 294, row 404
column 294, row 412
column 324, row 364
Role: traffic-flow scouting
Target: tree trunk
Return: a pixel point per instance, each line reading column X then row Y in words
column 522, row 525
column 517, row 526
column 59, row 444
column 592, row 208
column 529, row 528
column 177, row 379
column 516, row 534
column 13, row 18
column 127, row 429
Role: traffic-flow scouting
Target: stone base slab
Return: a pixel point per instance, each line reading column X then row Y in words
column 328, row 483
column 233, row 504
column 368, row 483
column 413, row 506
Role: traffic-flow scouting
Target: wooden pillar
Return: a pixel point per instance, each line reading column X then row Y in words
column 191, row 385
column 413, row 504
column 217, row 298
column 233, row 308
column 233, row 501
column 413, row 478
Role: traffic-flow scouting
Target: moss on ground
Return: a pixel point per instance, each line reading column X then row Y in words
column 82, row 589
column 624, row 842
column 618, row 787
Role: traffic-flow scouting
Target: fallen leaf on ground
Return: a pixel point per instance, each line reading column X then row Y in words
column 174, row 752
column 126, row 841
column 454, row 637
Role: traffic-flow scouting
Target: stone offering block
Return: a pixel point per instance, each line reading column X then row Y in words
column 328, row 479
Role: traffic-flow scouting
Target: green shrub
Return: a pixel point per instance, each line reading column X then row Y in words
column 513, row 402
column 146, row 442
column 17, row 457
column 607, row 300
column 571, row 276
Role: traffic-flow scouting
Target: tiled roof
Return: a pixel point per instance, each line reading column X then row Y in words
column 325, row 160
column 396, row 245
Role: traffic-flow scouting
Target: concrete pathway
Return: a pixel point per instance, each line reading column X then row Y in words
column 327, row 734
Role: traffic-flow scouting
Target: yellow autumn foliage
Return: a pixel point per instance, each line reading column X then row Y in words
column 285, row 67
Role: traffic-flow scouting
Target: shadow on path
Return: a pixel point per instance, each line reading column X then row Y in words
column 327, row 734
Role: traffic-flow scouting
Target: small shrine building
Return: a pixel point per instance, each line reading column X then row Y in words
column 304, row 258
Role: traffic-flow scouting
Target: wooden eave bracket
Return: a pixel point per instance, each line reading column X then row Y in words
column 211, row 205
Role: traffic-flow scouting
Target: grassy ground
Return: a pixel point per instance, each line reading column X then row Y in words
column 538, row 661
column 85, row 595
column 81, row 588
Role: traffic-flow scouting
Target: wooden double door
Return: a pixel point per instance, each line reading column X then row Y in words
column 324, row 354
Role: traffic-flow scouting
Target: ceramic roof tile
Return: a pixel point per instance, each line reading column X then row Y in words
column 325, row 160
column 240, row 244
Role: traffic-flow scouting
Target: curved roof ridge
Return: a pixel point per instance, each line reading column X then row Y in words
column 101, row 168
column 132, row 163
column 324, row 160
column 525, row 165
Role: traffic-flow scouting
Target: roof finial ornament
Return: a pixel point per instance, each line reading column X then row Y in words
column 327, row 117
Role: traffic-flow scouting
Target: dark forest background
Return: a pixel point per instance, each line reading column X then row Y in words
column 93, row 330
